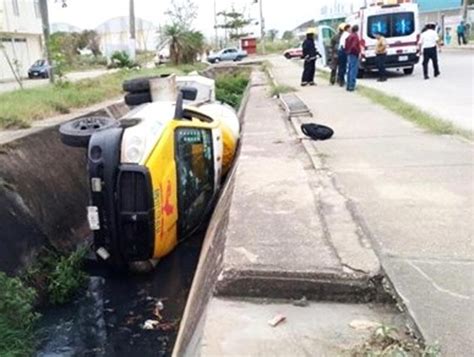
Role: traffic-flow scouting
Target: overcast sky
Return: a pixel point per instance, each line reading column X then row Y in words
column 283, row 15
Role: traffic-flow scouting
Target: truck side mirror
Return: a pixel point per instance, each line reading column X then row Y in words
column 189, row 93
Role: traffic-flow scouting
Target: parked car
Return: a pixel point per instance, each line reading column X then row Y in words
column 227, row 54
column 155, row 173
column 39, row 69
column 296, row 52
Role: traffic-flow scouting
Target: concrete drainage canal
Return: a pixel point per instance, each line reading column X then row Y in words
column 110, row 317
column 43, row 210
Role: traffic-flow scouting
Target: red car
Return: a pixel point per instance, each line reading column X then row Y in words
column 296, row 52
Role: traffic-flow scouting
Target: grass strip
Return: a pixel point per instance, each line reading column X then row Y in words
column 432, row 123
column 410, row 112
column 19, row 108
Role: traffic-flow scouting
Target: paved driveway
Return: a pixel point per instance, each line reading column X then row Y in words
column 449, row 96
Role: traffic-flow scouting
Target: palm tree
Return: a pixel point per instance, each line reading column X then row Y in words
column 185, row 45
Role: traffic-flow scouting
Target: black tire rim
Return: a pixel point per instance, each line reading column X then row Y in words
column 87, row 124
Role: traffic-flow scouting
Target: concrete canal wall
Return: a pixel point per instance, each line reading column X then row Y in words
column 43, row 189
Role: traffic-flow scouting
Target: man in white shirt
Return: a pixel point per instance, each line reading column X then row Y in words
column 341, row 54
column 429, row 42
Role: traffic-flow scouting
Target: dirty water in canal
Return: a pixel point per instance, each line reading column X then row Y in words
column 107, row 319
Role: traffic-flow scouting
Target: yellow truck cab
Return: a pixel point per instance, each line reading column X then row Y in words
column 154, row 177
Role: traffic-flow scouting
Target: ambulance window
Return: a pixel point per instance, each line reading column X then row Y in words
column 403, row 24
column 379, row 24
column 195, row 168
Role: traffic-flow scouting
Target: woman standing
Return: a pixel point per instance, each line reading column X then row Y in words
column 310, row 53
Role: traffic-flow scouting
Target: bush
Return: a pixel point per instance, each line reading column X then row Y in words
column 17, row 317
column 231, row 87
column 121, row 59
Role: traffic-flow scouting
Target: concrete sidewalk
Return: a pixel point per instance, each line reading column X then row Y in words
column 414, row 192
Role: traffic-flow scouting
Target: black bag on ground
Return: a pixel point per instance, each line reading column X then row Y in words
column 316, row 131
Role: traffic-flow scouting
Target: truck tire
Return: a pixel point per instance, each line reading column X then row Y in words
column 136, row 85
column 408, row 71
column 138, row 98
column 287, row 55
column 360, row 73
column 77, row 132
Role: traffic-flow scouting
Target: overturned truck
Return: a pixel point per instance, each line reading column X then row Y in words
column 154, row 174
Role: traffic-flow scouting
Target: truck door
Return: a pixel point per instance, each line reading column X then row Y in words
column 195, row 176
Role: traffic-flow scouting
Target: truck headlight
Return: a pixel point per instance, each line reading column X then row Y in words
column 134, row 149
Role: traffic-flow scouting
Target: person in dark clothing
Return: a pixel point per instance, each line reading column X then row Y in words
column 461, row 32
column 334, row 54
column 342, row 56
column 381, row 55
column 310, row 54
column 353, row 49
column 429, row 42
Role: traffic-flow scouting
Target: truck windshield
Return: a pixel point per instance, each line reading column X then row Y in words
column 391, row 25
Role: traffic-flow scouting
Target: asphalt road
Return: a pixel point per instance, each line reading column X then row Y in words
column 32, row 83
column 449, row 96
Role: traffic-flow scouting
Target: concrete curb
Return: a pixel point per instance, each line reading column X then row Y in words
column 210, row 259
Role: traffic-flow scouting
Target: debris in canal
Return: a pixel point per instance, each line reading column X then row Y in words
column 303, row 302
column 277, row 320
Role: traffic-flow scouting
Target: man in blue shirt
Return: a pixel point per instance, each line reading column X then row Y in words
column 461, row 31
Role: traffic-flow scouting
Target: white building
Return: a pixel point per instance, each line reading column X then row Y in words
column 114, row 35
column 20, row 35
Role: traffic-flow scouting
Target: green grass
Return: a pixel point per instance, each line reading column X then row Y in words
column 230, row 88
column 17, row 317
column 18, row 109
column 412, row 113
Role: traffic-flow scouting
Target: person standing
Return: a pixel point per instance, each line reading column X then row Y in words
column 334, row 53
column 429, row 42
column 342, row 56
column 461, row 32
column 309, row 55
column 353, row 49
column 381, row 56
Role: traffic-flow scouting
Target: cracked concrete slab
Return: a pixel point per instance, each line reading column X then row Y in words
column 240, row 328
column 290, row 232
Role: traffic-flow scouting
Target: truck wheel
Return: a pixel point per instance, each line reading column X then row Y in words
column 287, row 56
column 360, row 73
column 77, row 132
column 133, row 99
column 408, row 71
column 141, row 84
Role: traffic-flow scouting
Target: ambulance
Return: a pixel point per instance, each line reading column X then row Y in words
column 398, row 21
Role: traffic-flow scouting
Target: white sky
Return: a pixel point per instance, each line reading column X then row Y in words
column 279, row 14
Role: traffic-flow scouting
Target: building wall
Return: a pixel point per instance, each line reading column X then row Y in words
column 20, row 36
column 27, row 20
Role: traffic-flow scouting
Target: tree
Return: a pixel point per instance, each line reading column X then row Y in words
column 182, row 13
column 272, row 34
column 185, row 43
column 235, row 22
column 89, row 39
column 288, row 36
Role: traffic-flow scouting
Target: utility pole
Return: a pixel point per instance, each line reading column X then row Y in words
column 45, row 21
column 215, row 25
column 262, row 25
column 132, row 29
column 464, row 10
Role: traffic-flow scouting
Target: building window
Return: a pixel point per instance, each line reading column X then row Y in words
column 37, row 9
column 16, row 9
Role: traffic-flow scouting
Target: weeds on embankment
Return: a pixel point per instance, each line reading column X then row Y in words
column 387, row 341
column 19, row 108
column 55, row 278
column 230, row 88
